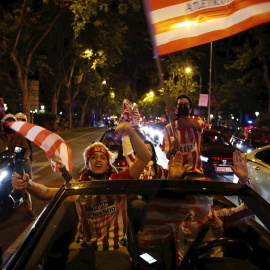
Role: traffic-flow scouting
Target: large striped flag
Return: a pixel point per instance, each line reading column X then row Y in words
column 48, row 141
column 181, row 24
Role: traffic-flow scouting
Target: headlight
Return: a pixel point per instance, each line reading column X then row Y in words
column 3, row 174
column 204, row 159
column 238, row 145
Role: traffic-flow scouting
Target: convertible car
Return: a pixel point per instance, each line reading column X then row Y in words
column 168, row 223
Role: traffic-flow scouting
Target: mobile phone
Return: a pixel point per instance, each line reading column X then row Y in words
column 148, row 258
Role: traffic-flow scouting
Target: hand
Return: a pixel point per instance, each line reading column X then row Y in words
column 176, row 168
column 240, row 166
column 124, row 128
column 175, row 145
column 18, row 182
column 58, row 160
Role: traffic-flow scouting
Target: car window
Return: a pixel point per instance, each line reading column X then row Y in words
column 214, row 139
column 171, row 220
column 260, row 136
column 111, row 138
column 264, row 156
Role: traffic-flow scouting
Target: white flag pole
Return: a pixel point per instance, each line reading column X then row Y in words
column 210, row 79
column 156, row 57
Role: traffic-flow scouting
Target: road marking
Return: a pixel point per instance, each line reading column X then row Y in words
column 37, row 152
column 10, row 250
column 41, row 166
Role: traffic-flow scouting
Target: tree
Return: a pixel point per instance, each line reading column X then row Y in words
column 25, row 29
column 246, row 74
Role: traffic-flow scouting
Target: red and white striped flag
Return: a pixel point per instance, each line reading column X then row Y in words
column 181, row 24
column 48, row 141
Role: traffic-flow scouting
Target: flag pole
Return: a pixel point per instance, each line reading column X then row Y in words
column 156, row 57
column 210, row 79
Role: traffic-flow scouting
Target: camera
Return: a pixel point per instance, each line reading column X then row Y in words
column 19, row 152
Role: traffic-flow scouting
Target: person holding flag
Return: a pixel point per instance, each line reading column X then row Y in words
column 97, row 244
column 184, row 134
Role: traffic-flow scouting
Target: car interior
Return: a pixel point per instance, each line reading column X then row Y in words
column 245, row 244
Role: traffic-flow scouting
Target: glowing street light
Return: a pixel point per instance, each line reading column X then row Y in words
column 112, row 94
column 188, row 69
column 257, row 114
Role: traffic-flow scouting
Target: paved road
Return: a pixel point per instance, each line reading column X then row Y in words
column 15, row 226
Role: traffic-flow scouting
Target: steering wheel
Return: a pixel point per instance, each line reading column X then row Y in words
column 193, row 261
column 197, row 248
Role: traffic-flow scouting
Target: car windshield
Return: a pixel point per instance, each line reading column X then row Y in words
column 260, row 136
column 110, row 138
column 172, row 219
column 209, row 139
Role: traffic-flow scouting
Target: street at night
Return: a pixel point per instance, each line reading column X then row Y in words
column 180, row 90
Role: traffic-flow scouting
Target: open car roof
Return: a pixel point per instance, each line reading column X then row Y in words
column 52, row 232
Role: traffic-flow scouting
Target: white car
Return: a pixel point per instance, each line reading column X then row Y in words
column 258, row 162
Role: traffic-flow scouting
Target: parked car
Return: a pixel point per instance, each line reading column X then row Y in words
column 256, row 138
column 226, row 131
column 114, row 143
column 258, row 162
column 246, row 245
column 217, row 153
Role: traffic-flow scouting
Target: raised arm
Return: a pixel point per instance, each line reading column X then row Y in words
column 143, row 155
column 37, row 190
column 65, row 173
column 189, row 122
column 240, row 167
column 175, row 167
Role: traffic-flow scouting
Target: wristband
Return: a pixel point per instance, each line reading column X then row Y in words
column 246, row 182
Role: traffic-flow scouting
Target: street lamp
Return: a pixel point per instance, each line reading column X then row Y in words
column 188, row 69
column 257, row 114
column 112, row 94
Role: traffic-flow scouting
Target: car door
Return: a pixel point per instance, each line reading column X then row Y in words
column 259, row 172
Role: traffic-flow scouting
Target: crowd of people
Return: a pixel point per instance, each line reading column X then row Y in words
column 97, row 243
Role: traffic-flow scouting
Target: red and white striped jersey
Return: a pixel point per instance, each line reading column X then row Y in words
column 103, row 218
column 182, row 219
column 190, row 141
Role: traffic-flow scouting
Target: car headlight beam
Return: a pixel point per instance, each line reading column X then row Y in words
column 204, row 159
column 3, row 175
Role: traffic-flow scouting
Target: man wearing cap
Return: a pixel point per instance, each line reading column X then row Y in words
column 94, row 237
